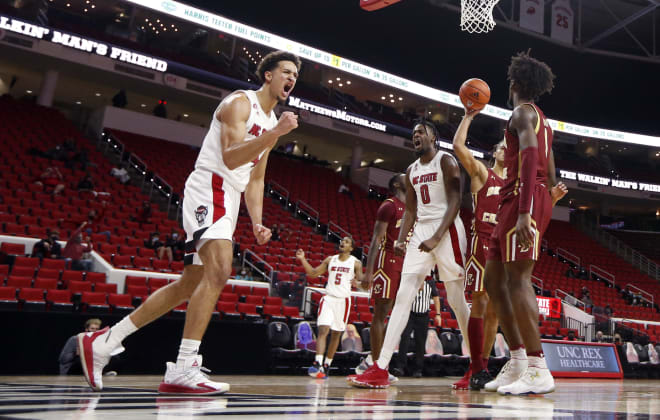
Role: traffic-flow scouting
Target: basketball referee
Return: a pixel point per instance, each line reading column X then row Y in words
column 419, row 323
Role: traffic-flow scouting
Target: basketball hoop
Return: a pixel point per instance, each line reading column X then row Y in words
column 477, row 15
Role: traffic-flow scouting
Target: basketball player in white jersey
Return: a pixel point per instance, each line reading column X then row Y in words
column 433, row 197
column 344, row 271
column 232, row 160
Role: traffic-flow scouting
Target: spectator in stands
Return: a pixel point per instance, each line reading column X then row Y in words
column 51, row 180
column 586, row 298
column 571, row 336
column 143, row 213
column 275, row 233
column 121, row 173
column 86, row 184
column 608, row 310
column 154, row 242
column 351, row 340
column 69, row 354
column 244, row 274
column 167, row 249
column 76, row 248
column 160, row 110
column 120, row 100
column 343, row 189
column 178, row 245
column 599, row 337
column 48, row 247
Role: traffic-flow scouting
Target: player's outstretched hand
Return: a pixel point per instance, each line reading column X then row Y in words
column 399, row 249
column 428, row 244
column 524, row 232
column 288, row 122
column 558, row 192
column 262, row 233
column 471, row 113
column 300, row 254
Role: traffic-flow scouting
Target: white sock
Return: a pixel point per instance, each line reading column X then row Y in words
column 328, row 362
column 319, row 359
column 537, row 362
column 369, row 360
column 456, row 299
column 410, row 284
column 520, row 354
column 188, row 348
column 122, row 329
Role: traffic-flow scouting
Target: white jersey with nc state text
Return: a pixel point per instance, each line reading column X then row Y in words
column 429, row 185
column 210, row 156
column 340, row 276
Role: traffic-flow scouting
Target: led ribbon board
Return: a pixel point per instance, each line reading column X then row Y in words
column 80, row 43
column 222, row 24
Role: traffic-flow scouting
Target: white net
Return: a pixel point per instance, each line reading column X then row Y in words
column 477, row 15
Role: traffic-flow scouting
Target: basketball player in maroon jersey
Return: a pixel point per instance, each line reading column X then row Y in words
column 485, row 184
column 523, row 216
column 383, row 272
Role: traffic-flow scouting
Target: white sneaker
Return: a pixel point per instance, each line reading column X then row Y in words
column 533, row 381
column 392, row 378
column 190, row 379
column 510, row 373
column 95, row 350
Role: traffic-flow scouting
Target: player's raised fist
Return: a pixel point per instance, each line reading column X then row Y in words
column 288, row 121
column 300, row 254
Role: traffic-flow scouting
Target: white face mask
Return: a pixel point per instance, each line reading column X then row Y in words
column 175, row 235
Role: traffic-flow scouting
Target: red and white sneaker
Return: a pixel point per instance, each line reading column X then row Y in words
column 374, row 377
column 464, row 382
column 95, row 350
column 190, row 378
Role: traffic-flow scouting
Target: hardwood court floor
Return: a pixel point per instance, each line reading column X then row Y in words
column 287, row 397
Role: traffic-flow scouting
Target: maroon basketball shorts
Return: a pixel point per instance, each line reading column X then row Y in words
column 504, row 245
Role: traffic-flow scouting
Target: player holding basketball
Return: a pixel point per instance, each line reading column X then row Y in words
column 232, row 160
column 523, row 216
column 383, row 272
column 344, row 271
column 485, row 185
column 433, row 196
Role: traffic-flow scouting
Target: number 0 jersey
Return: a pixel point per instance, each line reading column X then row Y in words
column 429, row 185
column 340, row 276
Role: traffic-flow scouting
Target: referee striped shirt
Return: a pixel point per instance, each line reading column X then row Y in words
column 422, row 302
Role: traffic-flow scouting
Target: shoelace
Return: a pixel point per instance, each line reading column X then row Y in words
column 195, row 372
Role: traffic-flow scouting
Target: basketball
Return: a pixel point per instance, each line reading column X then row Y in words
column 474, row 94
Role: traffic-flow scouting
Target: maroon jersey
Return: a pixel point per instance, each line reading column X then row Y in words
column 391, row 212
column 512, row 154
column 486, row 202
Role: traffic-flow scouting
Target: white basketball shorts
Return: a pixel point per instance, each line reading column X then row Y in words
column 448, row 255
column 334, row 311
column 210, row 211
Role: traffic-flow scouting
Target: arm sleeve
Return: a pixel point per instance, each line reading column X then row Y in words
column 386, row 212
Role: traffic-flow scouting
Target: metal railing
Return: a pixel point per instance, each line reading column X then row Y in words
column 599, row 272
column 139, row 165
column 337, row 231
column 305, row 209
column 275, row 188
column 538, row 282
column 584, row 330
column 622, row 249
column 112, row 141
column 568, row 256
column 570, row 299
column 246, row 261
column 643, row 293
